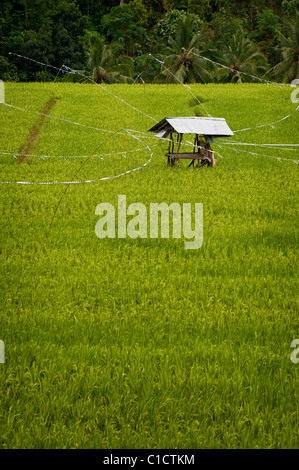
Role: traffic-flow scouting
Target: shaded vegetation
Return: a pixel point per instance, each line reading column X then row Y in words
column 59, row 33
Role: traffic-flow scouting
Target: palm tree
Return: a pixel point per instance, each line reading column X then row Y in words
column 288, row 68
column 242, row 56
column 182, row 62
column 104, row 67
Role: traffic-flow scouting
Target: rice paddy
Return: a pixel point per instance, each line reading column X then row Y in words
column 140, row 343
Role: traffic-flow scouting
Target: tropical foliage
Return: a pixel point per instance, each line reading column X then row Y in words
column 59, row 33
column 288, row 67
column 182, row 62
column 242, row 57
column 104, row 66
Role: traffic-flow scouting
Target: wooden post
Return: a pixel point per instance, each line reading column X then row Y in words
column 179, row 140
column 172, row 142
column 210, row 154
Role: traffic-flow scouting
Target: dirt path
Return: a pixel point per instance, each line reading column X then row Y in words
column 33, row 137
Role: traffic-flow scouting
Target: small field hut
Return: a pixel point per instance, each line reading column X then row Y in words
column 205, row 130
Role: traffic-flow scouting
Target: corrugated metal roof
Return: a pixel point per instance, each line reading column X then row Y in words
column 194, row 125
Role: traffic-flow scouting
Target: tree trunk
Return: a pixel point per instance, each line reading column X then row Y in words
column 26, row 14
column 122, row 2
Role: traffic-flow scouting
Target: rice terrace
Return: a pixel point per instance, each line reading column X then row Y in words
column 122, row 342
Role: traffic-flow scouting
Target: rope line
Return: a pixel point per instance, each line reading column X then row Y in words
column 184, row 85
column 74, row 72
column 112, row 94
column 269, row 82
column 288, row 147
column 75, row 156
column 262, row 155
column 260, row 145
column 231, row 69
column 89, row 180
column 59, row 119
column 130, row 132
column 270, row 124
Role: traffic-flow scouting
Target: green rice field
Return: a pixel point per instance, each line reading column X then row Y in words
column 122, row 343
